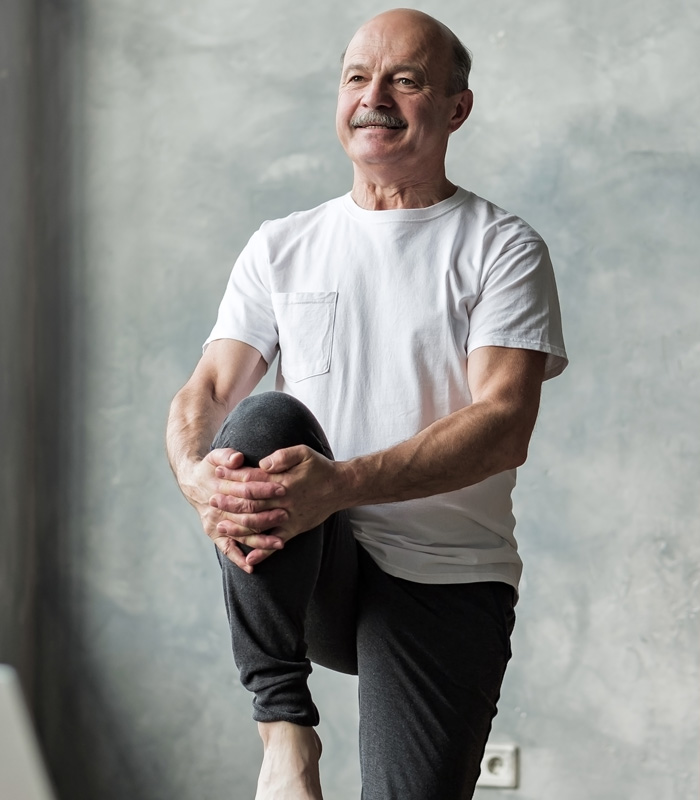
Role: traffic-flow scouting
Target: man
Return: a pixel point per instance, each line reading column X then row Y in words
column 415, row 323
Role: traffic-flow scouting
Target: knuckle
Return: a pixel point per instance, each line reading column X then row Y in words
column 244, row 491
column 223, row 544
column 237, row 506
column 209, row 520
column 241, row 529
column 246, row 522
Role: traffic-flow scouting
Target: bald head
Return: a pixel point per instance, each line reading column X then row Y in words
column 397, row 104
column 441, row 40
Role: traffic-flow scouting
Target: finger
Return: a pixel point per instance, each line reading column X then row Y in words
column 249, row 475
column 282, row 460
column 258, row 490
column 225, row 457
column 244, row 524
column 234, row 554
column 249, row 537
column 258, row 555
column 258, row 514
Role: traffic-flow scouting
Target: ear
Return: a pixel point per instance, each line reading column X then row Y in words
column 462, row 108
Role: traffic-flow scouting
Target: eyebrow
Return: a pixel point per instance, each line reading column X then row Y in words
column 412, row 68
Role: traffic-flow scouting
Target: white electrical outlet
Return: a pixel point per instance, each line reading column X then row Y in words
column 499, row 767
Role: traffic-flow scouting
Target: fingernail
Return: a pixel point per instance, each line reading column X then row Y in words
column 280, row 491
column 265, row 463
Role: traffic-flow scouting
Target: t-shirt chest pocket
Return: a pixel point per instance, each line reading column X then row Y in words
column 305, row 323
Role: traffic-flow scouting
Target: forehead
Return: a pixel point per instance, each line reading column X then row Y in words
column 384, row 41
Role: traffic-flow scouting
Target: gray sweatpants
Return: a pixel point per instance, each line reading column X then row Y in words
column 430, row 657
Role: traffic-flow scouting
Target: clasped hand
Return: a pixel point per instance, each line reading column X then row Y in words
column 292, row 491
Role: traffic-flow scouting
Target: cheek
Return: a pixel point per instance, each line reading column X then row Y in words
column 341, row 125
column 343, row 114
column 344, row 106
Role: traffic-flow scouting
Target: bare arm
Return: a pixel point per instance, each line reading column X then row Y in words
column 487, row 437
column 226, row 373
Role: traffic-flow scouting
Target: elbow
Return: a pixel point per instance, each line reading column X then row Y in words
column 521, row 430
column 517, row 451
column 519, row 457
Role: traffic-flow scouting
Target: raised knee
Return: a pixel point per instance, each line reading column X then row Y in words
column 269, row 421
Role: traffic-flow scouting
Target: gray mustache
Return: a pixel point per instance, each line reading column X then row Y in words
column 377, row 118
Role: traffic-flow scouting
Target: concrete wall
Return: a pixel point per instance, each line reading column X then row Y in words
column 176, row 128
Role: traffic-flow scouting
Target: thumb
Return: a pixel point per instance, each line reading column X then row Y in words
column 282, row 460
column 225, row 457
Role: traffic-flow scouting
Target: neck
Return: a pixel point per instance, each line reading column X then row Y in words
column 375, row 194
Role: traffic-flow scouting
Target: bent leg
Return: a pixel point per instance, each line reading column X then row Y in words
column 301, row 601
column 431, row 662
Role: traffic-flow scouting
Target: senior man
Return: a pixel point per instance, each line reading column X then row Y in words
column 415, row 323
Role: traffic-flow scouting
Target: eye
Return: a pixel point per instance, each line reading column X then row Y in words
column 355, row 78
column 406, row 82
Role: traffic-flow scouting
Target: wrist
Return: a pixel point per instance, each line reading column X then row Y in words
column 188, row 475
column 355, row 485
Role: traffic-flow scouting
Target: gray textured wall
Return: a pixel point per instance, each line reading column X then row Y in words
column 184, row 127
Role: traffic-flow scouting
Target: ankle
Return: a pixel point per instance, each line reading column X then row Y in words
column 281, row 732
column 290, row 767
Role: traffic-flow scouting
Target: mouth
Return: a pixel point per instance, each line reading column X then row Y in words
column 376, row 119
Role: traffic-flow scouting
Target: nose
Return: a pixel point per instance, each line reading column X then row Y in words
column 377, row 94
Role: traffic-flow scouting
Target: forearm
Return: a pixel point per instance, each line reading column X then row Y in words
column 193, row 422
column 228, row 372
column 459, row 450
column 480, row 440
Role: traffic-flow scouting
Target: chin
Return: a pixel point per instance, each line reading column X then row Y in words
column 375, row 155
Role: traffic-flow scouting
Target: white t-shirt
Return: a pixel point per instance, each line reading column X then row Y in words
column 374, row 314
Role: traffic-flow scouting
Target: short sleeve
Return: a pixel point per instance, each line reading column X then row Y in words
column 246, row 312
column 518, row 305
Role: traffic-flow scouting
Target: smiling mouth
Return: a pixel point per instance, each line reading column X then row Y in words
column 375, row 119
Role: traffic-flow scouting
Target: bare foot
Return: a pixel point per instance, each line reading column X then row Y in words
column 290, row 762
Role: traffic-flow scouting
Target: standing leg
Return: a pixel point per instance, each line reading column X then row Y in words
column 431, row 661
column 299, row 602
